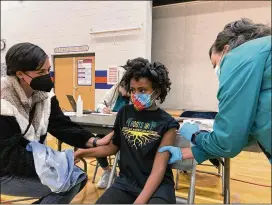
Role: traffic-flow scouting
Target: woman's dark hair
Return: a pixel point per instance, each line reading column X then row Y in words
column 157, row 73
column 123, row 84
column 238, row 32
column 24, row 57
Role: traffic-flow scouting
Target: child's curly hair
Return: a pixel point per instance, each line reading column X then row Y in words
column 157, row 73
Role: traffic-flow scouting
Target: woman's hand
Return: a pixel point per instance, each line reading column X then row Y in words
column 106, row 110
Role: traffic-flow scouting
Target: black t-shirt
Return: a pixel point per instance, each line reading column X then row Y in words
column 138, row 135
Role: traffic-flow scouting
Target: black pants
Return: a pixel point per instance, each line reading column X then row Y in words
column 117, row 196
column 103, row 161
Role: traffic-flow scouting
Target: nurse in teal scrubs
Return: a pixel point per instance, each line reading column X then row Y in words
column 241, row 57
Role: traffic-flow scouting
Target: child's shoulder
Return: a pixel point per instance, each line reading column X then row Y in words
column 165, row 114
column 129, row 107
column 159, row 113
column 171, row 121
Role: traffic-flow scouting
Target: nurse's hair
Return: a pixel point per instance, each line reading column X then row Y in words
column 24, row 57
column 156, row 72
column 238, row 32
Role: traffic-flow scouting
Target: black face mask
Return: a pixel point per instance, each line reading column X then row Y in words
column 41, row 83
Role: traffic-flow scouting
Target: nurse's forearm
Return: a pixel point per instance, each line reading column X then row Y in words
column 194, row 153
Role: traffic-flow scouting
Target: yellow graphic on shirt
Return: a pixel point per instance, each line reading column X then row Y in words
column 139, row 134
column 139, row 138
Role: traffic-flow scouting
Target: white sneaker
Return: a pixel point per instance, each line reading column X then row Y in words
column 102, row 184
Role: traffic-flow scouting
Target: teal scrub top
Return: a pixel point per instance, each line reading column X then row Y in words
column 120, row 102
column 244, row 95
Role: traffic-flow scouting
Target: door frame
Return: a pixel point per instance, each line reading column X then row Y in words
column 69, row 55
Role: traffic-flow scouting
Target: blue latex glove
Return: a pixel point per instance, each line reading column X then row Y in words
column 188, row 129
column 175, row 152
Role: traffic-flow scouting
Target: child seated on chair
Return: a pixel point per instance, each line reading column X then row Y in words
column 139, row 130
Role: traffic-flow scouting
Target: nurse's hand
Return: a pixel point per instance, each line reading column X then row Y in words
column 188, row 129
column 176, row 154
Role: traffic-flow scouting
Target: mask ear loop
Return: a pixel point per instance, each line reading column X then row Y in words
column 22, row 78
column 150, row 96
column 28, row 75
column 156, row 99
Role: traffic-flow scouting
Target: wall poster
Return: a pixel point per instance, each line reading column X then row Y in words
column 112, row 75
column 84, row 72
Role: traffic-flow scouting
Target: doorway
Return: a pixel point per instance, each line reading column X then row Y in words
column 75, row 75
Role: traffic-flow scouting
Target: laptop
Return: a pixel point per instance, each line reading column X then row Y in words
column 73, row 104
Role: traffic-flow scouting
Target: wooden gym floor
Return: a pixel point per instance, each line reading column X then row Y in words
column 251, row 167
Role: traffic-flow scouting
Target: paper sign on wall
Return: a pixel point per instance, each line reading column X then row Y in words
column 84, row 72
column 112, row 75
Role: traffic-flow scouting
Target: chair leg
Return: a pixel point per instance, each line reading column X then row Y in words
column 226, row 181
column 180, row 200
column 110, row 161
column 219, row 169
column 59, row 145
column 84, row 164
column 113, row 170
column 83, row 160
column 223, row 180
column 191, row 194
column 177, row 179
column 95, row 172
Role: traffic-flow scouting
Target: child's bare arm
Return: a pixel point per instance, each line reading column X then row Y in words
column 101, row 151
column 158, row 169
column 105, row 140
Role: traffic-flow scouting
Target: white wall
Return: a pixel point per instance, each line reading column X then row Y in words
column 181, row 37
column 52, row 24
